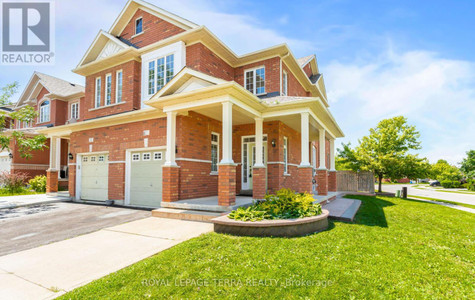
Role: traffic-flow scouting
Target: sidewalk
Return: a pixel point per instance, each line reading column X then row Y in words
column 49, row 271
column 9, row 202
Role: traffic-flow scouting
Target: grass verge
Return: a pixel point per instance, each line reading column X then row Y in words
column 445, row 201
column 396, row 248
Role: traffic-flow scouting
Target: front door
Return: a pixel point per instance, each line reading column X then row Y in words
column 249, row 160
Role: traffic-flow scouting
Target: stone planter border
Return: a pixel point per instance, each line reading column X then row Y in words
column 275, row 228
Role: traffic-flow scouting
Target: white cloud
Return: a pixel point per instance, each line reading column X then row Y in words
column 436, row 94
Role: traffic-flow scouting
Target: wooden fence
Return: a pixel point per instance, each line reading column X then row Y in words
column 349, row 181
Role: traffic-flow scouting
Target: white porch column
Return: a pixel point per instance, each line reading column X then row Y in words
column 305, row 137
column 321, row 149
column 227, row 133
column 332, row 155
column 55, row 154
column 259, row 137
column 171, row 137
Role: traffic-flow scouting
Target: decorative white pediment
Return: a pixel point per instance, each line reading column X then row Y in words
column 193, row 84
column 109, row 49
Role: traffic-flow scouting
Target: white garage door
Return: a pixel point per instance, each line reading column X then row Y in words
column 95, row 177
column 146, row 178
column 5, row 163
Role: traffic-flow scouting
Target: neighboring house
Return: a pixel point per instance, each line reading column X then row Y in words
column 171, row 113
column 57, row 103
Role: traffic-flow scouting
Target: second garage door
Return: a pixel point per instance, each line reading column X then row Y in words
column 95, row 177
column 146, row 178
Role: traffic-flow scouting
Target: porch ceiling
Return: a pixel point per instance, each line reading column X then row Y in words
column 240, row 116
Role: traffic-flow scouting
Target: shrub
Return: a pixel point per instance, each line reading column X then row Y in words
column 450, row 184
column 471, row 184
column 285, row 204
column 38, row 183
column 13, row 182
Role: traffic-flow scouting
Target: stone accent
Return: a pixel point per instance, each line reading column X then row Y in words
column 332, row 181
column 51, row 181
column 305, row 180
column 322, row 182
column 276, row 228
column 258, row 182
column 170, row 183
column 227, row 185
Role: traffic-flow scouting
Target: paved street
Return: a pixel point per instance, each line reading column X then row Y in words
column 27, row 227
column 431, row 193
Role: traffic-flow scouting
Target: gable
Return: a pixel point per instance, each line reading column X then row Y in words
column 109, row 49
column 193, row 84
column 104, row 45
column 154, row 29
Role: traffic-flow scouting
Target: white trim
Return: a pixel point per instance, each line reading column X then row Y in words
column 98, row 79
column 71, row 111
column 101, row 107
column 79, row 169
column 217, row 154
column 128, row 166
column 254, row 69
column 40, row 121
column 321, row 149
column 285, row 86
column 194, row 160
column 117, row 86
column 135, row 27
column 286, row 154
column 107, row 92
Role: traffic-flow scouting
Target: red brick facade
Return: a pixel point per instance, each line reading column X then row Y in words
column 322, row 181
column 227, row 185
column 200, row 58
column 259, row 182
column 154, row 29
column 272, row 74
column 332, row 187
column 51, row 181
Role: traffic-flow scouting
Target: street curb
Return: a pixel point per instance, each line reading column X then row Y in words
column 11, row 206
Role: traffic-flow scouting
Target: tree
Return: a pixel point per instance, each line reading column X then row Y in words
column 385, row 151
column 26, row 144
column 442, row 170
column 468, row 165
column 346, row 159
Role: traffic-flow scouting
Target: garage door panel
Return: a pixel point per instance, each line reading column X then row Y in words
column 146, row 179
column 95, row 178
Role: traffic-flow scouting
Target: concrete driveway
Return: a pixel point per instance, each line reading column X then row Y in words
column 431, row 193
column 28, row 227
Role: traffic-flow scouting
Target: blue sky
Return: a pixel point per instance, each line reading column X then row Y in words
column 379, row 58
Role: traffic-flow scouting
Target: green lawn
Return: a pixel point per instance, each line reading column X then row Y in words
column 459, row 192
column 396, row 248
column 445, row 201
column 5, row 193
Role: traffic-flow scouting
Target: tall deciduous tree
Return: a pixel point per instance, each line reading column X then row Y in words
column 468, row 165
column 26, row 144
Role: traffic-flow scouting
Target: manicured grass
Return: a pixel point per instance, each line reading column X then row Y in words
column 5, row 193
column 459, row 192
column 445, row 201
column 396, row 248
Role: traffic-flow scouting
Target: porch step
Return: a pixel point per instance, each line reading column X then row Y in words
column 343, row 209
column 183, row 214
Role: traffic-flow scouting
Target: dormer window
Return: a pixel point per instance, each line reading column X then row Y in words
column 44, row 111
column 138, row 26
column 255, row 80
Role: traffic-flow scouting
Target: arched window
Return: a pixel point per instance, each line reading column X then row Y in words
column 44, row 111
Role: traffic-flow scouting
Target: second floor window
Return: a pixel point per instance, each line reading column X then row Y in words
column 160, row 72
column 214, row 152
column 138, row 26
column 255, row 80
column 98, row 92
column 108, row 89
column 75, row 111
column 284, row 84
column 118, row 87
column 44, row 111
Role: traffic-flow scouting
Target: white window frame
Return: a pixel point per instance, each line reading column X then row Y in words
column 166, row 79
column 136, row 20
column 149, row 156
column 159, row 154
column 101, row 158
column 217, row 153
column 97, row 92
column 136, row 155
column 254, row 70
column 178, row 49
column 285, row 84
column 45, row 111
column 108, row 90
column 286, row 155
column 119, row 88
column 74, row 111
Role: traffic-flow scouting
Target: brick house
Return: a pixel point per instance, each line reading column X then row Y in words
column 171, row 113
column 57, row 103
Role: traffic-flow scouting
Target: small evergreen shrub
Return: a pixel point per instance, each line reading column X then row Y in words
column 285, row 204
column 38, row 184
column 13, row 182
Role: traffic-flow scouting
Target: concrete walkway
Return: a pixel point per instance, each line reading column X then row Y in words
column 49, row 271
column 463, row 208
column 9, row 202
column 343, row 208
